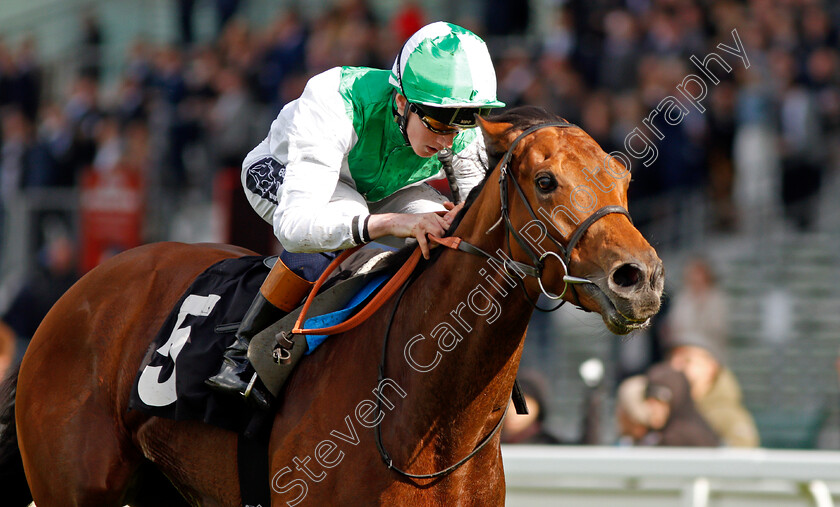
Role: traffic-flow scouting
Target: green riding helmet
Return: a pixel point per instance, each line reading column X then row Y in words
column 447, row 71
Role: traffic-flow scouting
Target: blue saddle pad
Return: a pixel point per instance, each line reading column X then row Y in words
column 339, row 316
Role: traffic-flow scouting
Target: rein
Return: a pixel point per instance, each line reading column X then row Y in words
column 386, row 458
column 404, row 277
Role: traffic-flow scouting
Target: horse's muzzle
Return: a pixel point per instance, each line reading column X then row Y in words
column 629, row 296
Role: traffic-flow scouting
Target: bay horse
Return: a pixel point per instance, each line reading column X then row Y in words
column 456, row 337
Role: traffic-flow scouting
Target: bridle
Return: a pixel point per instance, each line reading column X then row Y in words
column 406, row 275
column 565, row 251
column 520, row 270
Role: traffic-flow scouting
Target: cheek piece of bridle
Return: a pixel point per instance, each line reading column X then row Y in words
column 511, row 267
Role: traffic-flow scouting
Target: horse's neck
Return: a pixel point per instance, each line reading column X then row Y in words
column 464, row 328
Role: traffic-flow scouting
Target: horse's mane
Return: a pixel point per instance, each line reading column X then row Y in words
column 520, row 119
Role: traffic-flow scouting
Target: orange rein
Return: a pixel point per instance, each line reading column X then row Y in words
column 378, row 300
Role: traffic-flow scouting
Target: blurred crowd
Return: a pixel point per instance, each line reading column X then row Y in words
column 182, row 112
column 763, row 143
column 178, row 112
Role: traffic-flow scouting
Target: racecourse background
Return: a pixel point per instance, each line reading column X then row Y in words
column 750, row 183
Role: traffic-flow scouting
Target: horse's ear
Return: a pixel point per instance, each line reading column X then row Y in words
column 497, row 135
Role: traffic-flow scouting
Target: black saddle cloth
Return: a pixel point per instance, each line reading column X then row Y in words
column 189, row 346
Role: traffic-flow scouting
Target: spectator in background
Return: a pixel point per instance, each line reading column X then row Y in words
column 284, row 55
column 715, row 392
column 7, row 349
column 139, row 67
column 6, row 72
column 231, row 123
column 27, row 79
column 631, row 412
column 756, row 157
column 186, row 11
column 56, row 133
column 82, row 111
column 506, row 17
column 802, row 145
column 55, row 273
column 25, row 161
column 698, row 313
column 225, row 10
column 20, row 78
column 719, row 143
column 528, row 428
column 516, row 75
column 90, row 51
column 672, row 413
column 621, row 52
column 109, row 145
column 170, row 89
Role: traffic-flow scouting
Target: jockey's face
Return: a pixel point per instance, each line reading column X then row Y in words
column 424, row 142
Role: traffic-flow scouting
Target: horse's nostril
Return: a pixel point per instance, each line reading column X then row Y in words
column 627, row 275
column 657, row 276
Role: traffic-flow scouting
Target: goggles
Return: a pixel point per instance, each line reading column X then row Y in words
column 448, row 120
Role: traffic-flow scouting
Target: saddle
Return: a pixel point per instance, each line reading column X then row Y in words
column 275, row 351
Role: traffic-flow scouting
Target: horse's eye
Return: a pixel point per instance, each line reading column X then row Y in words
column 546, row 183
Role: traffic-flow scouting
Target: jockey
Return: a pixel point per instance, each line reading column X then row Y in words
column 346, row 163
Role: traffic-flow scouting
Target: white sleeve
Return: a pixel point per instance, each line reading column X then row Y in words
column 313, row 134
column 469, row 166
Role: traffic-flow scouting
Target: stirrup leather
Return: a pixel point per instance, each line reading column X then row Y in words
column 284, row 288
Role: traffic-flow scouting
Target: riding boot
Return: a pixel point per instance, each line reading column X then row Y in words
column 280, row 293
column 232, row 375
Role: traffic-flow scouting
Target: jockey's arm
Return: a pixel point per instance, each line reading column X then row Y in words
column 469, row 172
column 315, row 210
column 469, row 166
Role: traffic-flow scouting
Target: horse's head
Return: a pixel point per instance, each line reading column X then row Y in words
column 566, row 203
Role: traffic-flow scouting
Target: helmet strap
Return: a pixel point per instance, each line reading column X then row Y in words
column 402, row 119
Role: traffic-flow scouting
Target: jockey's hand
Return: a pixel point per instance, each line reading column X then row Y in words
column 452, row 210
column 409, row 225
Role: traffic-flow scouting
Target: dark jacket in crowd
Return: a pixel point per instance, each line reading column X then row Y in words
column 685, row 426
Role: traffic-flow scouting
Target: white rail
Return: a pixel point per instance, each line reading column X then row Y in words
column 596, row 476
